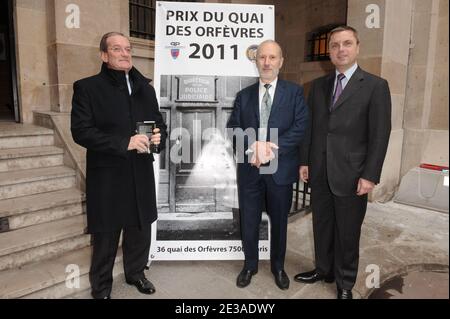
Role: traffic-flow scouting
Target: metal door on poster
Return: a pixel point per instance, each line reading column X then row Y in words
column 200, row 191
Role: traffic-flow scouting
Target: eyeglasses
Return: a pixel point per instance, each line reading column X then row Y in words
column 128, row 50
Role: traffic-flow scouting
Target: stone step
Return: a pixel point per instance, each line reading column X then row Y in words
column 34, row 181
column 14, row 135
column 47, row 279
column 83, row 291
column 30, row 157
column 35, row 236
column 44, row 252
column 35, row 209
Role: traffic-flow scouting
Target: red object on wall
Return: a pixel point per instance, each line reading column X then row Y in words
column 433, row 167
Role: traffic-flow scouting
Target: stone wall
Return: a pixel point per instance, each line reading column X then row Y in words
column 294, row 20
column 32, row 57
column 52, row 56
column 426, row 105
column 410, row 50
column 384, row 51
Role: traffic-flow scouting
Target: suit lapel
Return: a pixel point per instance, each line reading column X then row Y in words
column 328, row 89
column 278, row 98
column 254, row 100
column 351, row 88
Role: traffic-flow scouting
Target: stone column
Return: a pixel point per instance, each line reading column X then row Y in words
column 31, row 53
column 426, row 108
column 384, row 52
column 73, row 51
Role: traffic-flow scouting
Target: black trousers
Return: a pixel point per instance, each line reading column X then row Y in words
column 135, row 248
column 337, row 222
column 278, row 200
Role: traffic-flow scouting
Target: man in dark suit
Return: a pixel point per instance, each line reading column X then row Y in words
column 342, row 157
column 120, row 183
column 275, row 111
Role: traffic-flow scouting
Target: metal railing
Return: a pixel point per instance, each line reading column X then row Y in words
column 302, row 202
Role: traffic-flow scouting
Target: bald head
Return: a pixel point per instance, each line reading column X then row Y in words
column 269, row 60
column 270, row 43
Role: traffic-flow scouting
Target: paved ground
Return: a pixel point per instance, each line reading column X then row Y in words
column 397, row 239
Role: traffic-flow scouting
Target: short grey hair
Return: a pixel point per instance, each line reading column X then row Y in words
column 103, row 41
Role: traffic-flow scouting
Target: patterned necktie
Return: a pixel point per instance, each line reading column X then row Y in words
column 338, row 90
column 266, row 106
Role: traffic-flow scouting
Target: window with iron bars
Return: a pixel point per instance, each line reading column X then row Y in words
column 317, row 44
column 142, row 18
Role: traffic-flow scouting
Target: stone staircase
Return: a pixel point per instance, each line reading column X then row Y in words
column 42, row 220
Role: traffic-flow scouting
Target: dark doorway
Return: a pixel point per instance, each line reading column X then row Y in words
column 8, row 87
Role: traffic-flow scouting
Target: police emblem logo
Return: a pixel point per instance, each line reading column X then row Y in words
column 174, row 53
column 251, row 52
column 174, row 49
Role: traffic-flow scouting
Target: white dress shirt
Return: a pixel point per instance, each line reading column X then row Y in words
column 128, row 82
column 348, row 74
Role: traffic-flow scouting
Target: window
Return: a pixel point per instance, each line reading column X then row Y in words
column 317, row 44
column 142, row 18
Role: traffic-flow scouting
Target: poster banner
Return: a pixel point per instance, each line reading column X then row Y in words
column 204, row 55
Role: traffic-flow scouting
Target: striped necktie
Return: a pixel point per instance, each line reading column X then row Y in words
column 266, row 106
column 338, row 90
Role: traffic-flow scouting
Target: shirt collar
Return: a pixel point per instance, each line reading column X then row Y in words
column 273, row 84
column 349, row 73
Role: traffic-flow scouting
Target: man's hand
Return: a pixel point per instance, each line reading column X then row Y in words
column 364, row 186
column 304, row 173
column 262, row 152
column 139, row 142
column 156, row 137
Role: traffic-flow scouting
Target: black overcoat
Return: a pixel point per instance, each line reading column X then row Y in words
column 120, row 184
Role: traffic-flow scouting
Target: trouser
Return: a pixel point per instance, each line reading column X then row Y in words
column 278, row 200
column 135, row 248
column 337, row 222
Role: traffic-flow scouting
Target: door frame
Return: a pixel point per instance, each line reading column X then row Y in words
column 12, row 56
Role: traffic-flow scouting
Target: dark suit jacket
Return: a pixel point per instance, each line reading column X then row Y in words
column 354, row 136
column 120, row 185
column 288, row 114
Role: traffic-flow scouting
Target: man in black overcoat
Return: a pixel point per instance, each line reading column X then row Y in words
column 120, row 183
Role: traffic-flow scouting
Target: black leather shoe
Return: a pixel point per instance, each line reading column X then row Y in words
column 104, row 297
column 281, row 279
column 311, row 277
column 143, row 285
column 245, row 277
column 344, row 294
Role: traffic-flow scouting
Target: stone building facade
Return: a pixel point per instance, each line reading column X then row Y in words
column 406, row 43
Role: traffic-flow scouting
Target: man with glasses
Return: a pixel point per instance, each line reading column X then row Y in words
column 120, row 183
